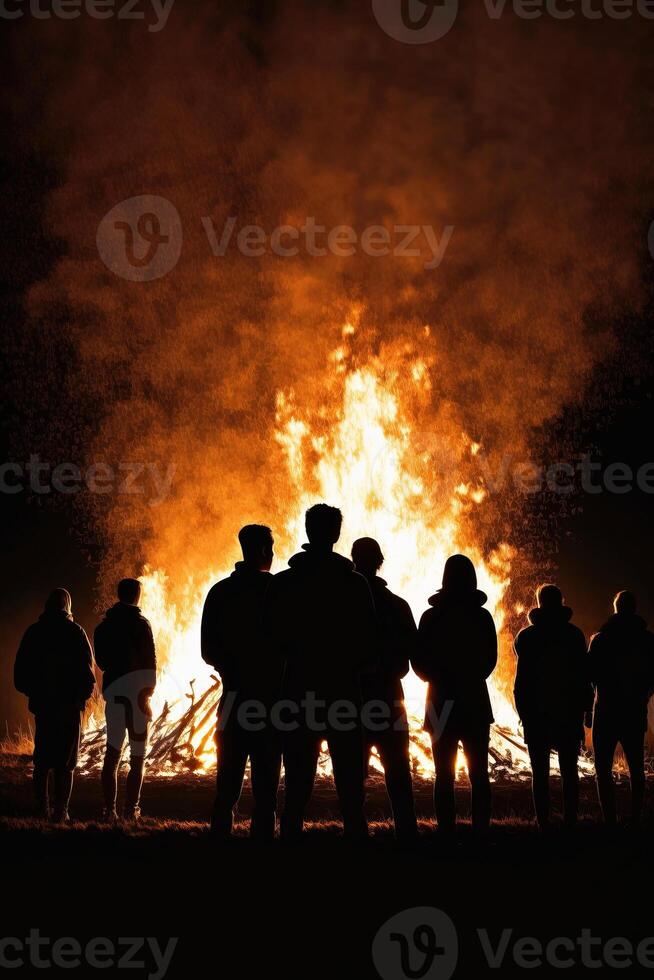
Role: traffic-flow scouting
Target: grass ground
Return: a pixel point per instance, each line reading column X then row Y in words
column 312, row 910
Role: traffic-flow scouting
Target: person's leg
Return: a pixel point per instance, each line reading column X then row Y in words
column 569, row 767
column 42, row 765
column 116, row 731
column 393, row 750
column 265, row 767
column 301, row 750
column 605, row 742
column 230, row 769
column 475, row 747
column 539, row 757
column 445, row 750
column 347, row 753
column 138, row 748
column 633, row 746
column 41, row 798
column 63, row 787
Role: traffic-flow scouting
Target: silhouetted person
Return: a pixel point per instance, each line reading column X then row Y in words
column 622, row 672
column 382, row 684
column 54, row 668
column 457, row 652
column 322, row 619
column 124, row 651
column 552, row 693
column 233, row 643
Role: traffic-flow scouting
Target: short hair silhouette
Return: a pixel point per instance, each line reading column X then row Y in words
column 323, row 524
column 549, row 597
column 366, row 554
column 59, row 600
column 625, row 602
column 459, row 574
column 129, row 590
column 255, row 539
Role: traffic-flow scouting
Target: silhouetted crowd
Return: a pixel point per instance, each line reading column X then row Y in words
column 317, row 654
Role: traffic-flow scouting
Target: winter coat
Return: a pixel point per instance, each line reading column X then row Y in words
column 321, row 617
column 397, row 637
column 622, row 670
column 232, row 637
column 124, row 648
column 457, row 653
column 552, row 686
column 54, row 664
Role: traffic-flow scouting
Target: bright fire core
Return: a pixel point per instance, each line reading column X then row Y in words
column 361, row 449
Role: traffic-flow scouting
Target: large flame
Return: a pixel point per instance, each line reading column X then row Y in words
column 359, row 449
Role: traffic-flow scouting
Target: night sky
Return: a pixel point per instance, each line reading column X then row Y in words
column 598, row 543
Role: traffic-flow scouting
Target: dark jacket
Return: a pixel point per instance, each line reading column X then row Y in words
column 457, row 652
column 232, row 638
column 397, row 638
column 124, row 645
column 54, row 664
column 320, row 615
column 622, row 670
column 552, row 685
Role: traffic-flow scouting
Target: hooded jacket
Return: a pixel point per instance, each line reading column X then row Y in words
column 622, row 670
column 54, row 664
column 552, row 686
column 321, row 618
column 457, row 652
column 124, row 645
column 232, row 637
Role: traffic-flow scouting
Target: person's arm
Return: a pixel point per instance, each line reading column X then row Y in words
column 368, row 642
column 405, row 639
column 100, row 646
column 22, row 666
column 423, row 651
column 490, row 645
column 594, row 653
column 518, row 684
column 150, row 657
column 584, row 674
column 209, row 633
column 86, row 675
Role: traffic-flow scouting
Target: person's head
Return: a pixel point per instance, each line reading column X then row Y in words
column 129, row 591
column 323, row 525
column 459, row 575
column 59, row 600
column 256, row 542
column 625, row 603
column 367, row 556
column 549, row 597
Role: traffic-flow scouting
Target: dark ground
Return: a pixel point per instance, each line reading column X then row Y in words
column 310, row 911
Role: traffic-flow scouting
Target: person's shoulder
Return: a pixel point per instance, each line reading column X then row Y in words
column 486, row 615
column 576, row 632
column 218, row 588
column 524, row 635
column 427, row 618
